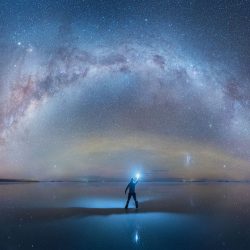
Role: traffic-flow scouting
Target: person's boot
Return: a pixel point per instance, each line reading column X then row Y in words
column 136, row 204
column 126, row 207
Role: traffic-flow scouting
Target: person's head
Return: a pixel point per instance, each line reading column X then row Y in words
column 132, row 180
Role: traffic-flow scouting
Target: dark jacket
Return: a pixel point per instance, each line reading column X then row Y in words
column 131, row 187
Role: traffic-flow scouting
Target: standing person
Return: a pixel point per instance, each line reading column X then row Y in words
column 131, row 187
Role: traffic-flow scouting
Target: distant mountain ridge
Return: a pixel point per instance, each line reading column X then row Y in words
column 16, row 180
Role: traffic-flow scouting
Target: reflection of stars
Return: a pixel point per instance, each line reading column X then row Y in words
column 192, row 202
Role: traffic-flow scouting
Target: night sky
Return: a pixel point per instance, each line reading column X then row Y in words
column 93, row 89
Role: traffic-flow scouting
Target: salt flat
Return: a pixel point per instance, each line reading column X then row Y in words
column 92, row 216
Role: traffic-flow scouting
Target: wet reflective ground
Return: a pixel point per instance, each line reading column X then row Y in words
column 91, row 216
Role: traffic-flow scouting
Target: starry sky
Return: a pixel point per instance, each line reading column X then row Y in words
column 102, row 89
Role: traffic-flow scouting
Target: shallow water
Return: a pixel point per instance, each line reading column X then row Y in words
column 91, row 216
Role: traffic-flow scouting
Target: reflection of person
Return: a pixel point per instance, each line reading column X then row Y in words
column 131, row 187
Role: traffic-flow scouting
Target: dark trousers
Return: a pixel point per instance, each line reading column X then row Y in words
column 134, row 197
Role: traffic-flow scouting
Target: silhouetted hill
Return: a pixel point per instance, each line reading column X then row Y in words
column 16, row 180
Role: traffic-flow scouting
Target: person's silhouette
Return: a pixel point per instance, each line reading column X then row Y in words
column 131, row 187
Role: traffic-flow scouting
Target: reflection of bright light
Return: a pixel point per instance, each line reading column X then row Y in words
column 98, row 202
column 136, row 237
column 103, row 202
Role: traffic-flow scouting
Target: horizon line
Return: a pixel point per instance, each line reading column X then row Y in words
column 101, row 180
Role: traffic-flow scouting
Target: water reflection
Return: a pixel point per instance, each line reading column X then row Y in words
column 136, row 237
column 178, row 216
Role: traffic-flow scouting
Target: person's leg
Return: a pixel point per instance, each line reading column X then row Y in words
column 136, row 202
column 129, row 196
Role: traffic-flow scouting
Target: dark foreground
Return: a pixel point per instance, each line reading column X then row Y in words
column 91, row 216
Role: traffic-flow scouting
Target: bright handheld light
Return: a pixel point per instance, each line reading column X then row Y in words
column 137, row 175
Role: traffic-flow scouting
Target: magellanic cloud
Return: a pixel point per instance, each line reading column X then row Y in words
column 167, row 154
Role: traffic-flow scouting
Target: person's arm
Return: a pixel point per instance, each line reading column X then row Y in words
column 136, row 181
column 126, row 188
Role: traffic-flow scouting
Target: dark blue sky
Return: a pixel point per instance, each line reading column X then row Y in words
column 100, row 87
column 217, row 28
